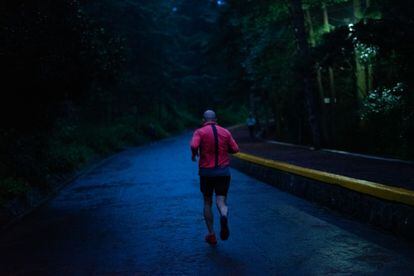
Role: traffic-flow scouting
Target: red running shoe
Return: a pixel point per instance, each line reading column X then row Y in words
column 211, row 239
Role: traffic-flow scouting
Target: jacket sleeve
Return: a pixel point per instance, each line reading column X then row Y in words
column 195, row 143
column 233, row 147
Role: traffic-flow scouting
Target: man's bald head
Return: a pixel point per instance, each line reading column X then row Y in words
column 209, row 115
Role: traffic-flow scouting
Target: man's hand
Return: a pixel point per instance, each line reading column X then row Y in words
column 194, row 158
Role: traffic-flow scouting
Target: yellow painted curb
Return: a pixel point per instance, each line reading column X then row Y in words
column 366, row 187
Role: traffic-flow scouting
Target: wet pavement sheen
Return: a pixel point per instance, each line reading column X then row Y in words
column 141, row 213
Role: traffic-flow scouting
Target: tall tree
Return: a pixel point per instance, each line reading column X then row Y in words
column 308, row 92
column 360, row 70
column 358, row 15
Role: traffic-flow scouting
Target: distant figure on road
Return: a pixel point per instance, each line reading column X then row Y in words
column 251, row 124
column 213, row 144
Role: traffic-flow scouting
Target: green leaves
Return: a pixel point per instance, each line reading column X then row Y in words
column 12, row 187
column 383, row 101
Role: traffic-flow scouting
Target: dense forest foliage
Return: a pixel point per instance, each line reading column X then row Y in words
column 85, row 78
column 333, row 73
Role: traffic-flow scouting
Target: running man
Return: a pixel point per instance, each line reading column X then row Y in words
column 251, row 124
column 213, row 143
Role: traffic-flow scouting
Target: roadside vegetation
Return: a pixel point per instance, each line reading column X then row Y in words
column 83, row 79
column 332, row 73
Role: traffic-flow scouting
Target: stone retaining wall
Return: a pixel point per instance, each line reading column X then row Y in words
column 391, row 216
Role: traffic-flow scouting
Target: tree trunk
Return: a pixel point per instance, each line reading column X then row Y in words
column 319, row 78
column 312, row 41
column 332, row 104
column 332, row 82
column 320, row 82
column 361, row 79
column 309, row 95
column 309, row 23
column 326, row 25
column 360, row 74
column 367, row 5
column 370, row 77
column 327, row 28
column 357, row 10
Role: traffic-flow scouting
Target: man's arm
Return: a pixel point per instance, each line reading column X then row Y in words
column 233, row 147
column 195, row 144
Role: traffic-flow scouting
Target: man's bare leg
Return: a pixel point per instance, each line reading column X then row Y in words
column 208, row 214
column 223, row 209
column 222, row 205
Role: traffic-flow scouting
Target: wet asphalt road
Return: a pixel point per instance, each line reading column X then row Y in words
column 141, row 213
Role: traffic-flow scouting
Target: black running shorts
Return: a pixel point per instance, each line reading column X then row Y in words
column 218, row 184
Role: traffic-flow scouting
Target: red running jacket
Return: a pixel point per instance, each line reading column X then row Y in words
column 213, row 144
